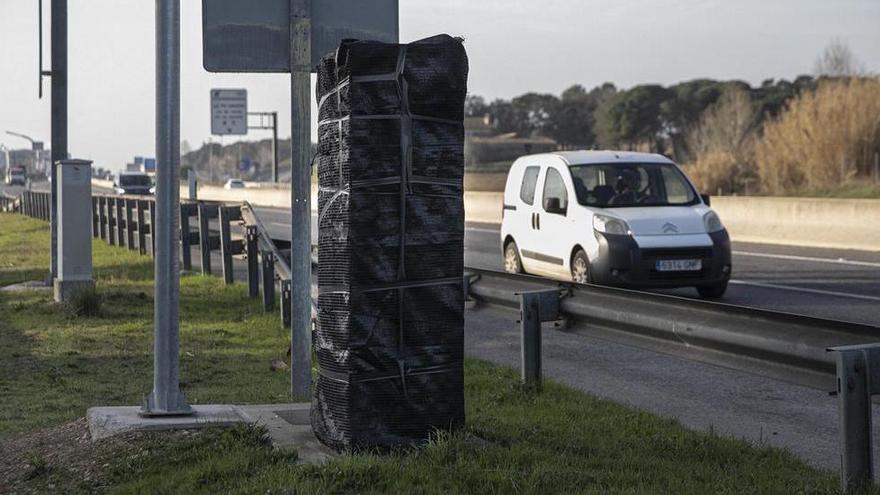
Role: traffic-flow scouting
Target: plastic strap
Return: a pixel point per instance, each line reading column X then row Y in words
column 347, row 378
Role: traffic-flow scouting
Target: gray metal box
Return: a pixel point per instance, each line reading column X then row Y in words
column 74, row 220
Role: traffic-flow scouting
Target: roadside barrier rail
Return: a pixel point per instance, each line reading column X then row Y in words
column 230, row 229
column 784, row 346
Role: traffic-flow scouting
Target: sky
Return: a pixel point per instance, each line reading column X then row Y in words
column 514, row 46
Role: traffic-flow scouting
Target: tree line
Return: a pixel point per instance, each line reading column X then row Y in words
column 647, row 117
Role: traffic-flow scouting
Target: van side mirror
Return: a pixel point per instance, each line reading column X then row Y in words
column 706, row 199
column 553, row 205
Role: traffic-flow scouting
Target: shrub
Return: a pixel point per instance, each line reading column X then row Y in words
column 823, row 138
column 84, row 303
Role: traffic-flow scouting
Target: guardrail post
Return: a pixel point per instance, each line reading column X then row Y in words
column 152, row 208
column 285, row 303
column 205, row 238
column 96, row 224
column 141, row 227
column 535, row 307
column 858, row 378
column 226, row 243
column 120, row 219
column 129, row 223
column 111, row 221
column 251, row 239
column 102, row 217
column 186, row 252
column 268, row 280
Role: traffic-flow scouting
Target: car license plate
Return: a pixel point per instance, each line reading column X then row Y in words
column 678, row 265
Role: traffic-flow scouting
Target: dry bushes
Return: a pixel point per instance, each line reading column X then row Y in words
column 723, row 144
column 823, row 139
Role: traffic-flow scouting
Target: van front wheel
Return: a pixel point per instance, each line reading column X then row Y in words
column 512, row 263
column 580, row 268
column 712, row 291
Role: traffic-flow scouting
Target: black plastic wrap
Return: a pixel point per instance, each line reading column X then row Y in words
column 390, row 332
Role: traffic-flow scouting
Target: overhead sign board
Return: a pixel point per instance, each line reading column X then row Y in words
column 228, row 112
column 255, row 36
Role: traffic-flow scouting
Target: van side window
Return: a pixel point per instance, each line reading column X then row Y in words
column 554, row 187
column 530, row 181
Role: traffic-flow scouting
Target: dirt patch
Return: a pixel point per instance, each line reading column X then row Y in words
column 64, row 459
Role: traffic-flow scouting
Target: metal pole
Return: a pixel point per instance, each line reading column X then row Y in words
column 856, row 469
column 300, row 178
column 530, row 339
column 166, row 397
column 59, row 115
column 274, row 147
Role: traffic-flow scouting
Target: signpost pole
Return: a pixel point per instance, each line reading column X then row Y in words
column 59, row 117
column 300, row 178
column 274, row 147
column 166, row 398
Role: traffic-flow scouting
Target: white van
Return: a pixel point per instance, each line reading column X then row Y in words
column 612, row 218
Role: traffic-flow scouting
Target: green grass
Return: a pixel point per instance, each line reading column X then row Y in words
column 53, row 366
column 856, row 190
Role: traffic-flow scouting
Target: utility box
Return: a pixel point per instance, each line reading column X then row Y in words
column 74, row 194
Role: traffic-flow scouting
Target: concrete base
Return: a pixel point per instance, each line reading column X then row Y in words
column 288, row 424
column 34, row 285
column 109, row 421
column 289, row 427
column 65, row 289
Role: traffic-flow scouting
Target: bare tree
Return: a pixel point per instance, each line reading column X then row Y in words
column 726, row 126
column 837, row 60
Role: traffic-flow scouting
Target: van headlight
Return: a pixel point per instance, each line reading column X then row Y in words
column 610, row 225
column 712, row 222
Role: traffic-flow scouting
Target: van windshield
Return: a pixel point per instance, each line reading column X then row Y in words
column 615, row 185
column 135, row 180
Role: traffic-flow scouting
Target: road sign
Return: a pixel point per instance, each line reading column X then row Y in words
column 255, row 36
column 228, row 111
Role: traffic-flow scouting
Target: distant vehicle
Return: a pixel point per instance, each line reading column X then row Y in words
column 16, row 175
column 612, row 218
column 133, row 183
column 234, row 184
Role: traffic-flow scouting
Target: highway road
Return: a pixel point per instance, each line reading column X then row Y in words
column 826, row 283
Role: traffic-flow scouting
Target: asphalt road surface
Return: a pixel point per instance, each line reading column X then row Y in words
column 826, row 283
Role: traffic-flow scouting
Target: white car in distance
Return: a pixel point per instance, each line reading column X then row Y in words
column 234, row 184
column 612, row 218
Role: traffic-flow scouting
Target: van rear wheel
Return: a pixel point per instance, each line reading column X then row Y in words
column 512, row 262
column 580, row 268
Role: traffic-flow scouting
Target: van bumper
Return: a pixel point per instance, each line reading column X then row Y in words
column 622, row 262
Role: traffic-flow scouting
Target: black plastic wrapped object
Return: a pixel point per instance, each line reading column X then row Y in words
column 390, row 333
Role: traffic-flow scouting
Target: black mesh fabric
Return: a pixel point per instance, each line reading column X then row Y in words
column 390, row 327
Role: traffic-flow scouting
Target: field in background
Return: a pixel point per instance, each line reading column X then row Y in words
column 54, row 364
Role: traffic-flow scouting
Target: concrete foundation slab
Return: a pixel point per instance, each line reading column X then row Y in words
column 108, row 421
column 288, row 425
column 65, row 289
column 290, row 428
column 33, row 285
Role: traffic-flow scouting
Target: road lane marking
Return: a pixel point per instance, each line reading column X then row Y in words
column 808, row 291
column 838, row 261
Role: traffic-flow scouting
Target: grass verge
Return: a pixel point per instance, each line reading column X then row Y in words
column 54, row 365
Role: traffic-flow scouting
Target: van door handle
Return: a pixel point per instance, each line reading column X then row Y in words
column 538, row 220
column 533, row 220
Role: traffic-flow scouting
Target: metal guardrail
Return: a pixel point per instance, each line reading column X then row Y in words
column 785, row 346
column 779, row 345
column 127, row 221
